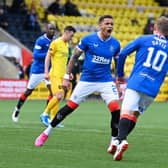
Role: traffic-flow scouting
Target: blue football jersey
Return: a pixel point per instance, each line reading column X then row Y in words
column 98, row 57
column 151, row 63
column 39, row 53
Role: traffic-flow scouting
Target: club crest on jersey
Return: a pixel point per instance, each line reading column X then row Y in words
column 111, row 48
column 95, row 45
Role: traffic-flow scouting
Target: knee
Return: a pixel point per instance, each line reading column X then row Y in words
column 59, row 96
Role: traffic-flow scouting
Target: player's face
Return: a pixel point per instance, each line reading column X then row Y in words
column 106, row 27
column 51, row 31
column 70, row 34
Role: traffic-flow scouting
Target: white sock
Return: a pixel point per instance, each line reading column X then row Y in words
column 45, row 114
column 113, row 138
column 48, row 130
column 16, row 108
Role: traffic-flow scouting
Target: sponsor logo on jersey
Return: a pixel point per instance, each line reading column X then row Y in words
column 100, row 60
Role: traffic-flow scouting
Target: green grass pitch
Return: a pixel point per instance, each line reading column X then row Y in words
column 83, row 142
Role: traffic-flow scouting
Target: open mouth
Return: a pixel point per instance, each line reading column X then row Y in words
column 109, row 31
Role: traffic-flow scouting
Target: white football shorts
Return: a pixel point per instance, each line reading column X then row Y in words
column 107, row 91
column 136, row 101
column 36, row 79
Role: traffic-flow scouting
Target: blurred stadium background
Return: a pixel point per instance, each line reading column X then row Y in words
column 16, row 42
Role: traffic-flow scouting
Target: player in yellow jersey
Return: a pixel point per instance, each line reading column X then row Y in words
column 57, row 54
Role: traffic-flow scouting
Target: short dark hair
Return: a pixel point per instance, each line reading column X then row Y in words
column 104, row 17
column 162, row 24
column 69, row 28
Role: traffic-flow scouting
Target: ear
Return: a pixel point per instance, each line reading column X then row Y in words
column 155, row 29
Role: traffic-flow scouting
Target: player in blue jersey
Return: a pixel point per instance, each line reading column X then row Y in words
column 147, row 76
column 99, row 48
column 37, row 68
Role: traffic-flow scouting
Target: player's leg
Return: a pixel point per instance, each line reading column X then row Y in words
column 48, row 99
column 55, row 109
column 110, row 95
column 79, row 94
column 53, row 105
column 134, row 104
column 114, row 109
column 127, row 121
column 44, row 117
column 61, row 94
column 60, row 116
column 22, row 99
column 34, row 80
column 48, row 85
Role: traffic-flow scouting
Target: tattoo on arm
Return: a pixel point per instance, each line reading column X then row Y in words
column 73, row 59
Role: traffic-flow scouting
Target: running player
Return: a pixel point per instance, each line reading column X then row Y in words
column 37, row 68
column 148, row 74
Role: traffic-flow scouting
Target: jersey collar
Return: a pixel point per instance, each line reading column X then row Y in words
column 158, row 35
column 45, row 36
column 98, row 34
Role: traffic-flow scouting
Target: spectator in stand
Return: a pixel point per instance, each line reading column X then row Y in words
column 149, row 28
column 164, row 13
column 71, row 9
column 3, row 21
column 56, row 8
column 134, row 22
column 18, row 6
column 31, row 21
column 163, row 2
column 129, row 2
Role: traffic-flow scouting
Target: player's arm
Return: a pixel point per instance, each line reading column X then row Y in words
column 68, row 76
column 38, row 53
column 126, row 51
column 47, row 64
column 72, row 61
column 115, row 65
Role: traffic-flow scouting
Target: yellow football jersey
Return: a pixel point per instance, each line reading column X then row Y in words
column 60, row 52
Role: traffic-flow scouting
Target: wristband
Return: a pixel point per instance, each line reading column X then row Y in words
column 66, row 76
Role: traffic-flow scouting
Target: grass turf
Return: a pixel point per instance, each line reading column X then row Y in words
column 82, row 143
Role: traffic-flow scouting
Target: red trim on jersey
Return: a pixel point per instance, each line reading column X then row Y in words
column 113, row 106
column 72, row 104
column 130, row 117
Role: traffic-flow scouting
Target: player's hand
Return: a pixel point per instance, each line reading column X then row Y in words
column 121, row 86
column 119, row 90
column 71, row 77
column 47, row 76
column 120, row 80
